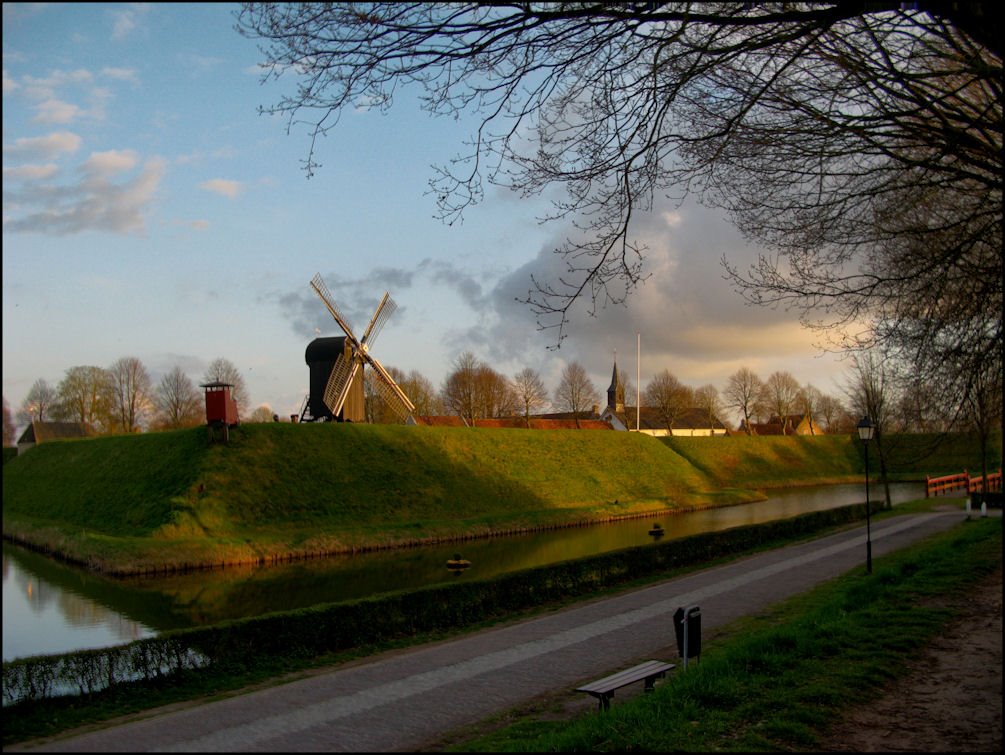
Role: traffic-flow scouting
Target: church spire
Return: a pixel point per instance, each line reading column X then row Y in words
column 616, row 391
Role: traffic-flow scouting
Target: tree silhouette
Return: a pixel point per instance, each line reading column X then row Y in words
column 853, row 140
column 576, row 393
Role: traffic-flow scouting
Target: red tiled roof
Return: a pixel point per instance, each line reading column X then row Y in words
column 513, row 422
column 427, row 420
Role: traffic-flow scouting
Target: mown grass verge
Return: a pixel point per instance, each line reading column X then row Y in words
column 776, row 681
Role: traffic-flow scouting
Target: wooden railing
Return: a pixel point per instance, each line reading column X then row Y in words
column 947, row 483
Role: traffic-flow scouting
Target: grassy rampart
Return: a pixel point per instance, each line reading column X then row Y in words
column 173, row 500
column 777, row 461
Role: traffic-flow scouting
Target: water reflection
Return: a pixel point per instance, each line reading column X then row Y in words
column 49, row 607
column 42, row 617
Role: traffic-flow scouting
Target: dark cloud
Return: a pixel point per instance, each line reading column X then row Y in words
column 466, row 285
column 689, row 317
column 358, row 297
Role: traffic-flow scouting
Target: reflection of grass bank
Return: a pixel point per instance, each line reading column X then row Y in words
column 170, row 500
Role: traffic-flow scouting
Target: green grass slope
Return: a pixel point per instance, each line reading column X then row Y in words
column 129, row 503
column 776, row 461
column 772, row 461
column 172, row 499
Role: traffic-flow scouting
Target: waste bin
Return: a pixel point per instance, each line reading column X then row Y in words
column 687, row 628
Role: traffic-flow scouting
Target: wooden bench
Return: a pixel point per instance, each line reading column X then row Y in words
column 603, row 689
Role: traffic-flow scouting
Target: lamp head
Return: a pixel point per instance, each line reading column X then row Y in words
column 865, row 429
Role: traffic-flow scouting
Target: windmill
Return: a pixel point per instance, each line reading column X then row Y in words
column 347, row 371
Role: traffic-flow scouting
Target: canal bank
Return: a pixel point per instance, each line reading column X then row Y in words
column 404, row 699
column 53, row 608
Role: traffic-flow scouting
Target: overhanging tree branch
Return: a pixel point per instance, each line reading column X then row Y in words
column 859, row 143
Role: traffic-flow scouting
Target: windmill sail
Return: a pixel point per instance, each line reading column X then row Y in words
column 325, row 295
column 393, row 397
column 384, row 311
column 337, row 389
column 389, row 390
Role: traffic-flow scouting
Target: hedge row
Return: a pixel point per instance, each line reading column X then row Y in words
column 238, row 645
column 88, row 671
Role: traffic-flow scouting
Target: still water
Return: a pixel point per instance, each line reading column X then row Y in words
column 49, row 607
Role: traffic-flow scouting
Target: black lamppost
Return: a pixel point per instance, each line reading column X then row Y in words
column 865, row 430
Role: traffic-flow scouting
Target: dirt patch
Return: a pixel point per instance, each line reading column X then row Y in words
column 951, row 698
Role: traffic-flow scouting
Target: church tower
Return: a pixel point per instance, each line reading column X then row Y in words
column 616, row 392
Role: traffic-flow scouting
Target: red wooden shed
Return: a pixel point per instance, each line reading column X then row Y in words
column 221, row 409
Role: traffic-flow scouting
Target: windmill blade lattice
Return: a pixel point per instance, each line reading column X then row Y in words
column 326, row 296
column 339, row 382
column 389, row 390
column 384, row 311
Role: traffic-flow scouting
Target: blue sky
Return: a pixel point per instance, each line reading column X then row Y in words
column 150, row 211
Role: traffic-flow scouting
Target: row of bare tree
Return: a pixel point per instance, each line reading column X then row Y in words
column 474, row 390
column 122, row 398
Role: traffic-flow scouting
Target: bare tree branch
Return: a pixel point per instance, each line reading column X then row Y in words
column 860, row 143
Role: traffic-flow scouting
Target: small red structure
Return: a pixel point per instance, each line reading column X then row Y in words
column 221, row 409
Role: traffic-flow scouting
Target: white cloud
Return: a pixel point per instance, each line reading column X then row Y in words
column 220, row 153
column 199, row 62
column 56, row 111
column 99, row 98
column 52, row 108
column 45, row 88
column 121, row 74
column 125, row 22
column 43, row 147
column 95, row 203
column 9, row 85
column 359, row 296
column 691, row 320
column 127, row 19
column 223, row 187
column 103, row 165
column 30, row 172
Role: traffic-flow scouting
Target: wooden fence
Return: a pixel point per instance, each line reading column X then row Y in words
column 942, row 485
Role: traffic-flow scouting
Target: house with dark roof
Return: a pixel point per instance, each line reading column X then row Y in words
column 41, row 432
column 691, row 422
column 790, row 424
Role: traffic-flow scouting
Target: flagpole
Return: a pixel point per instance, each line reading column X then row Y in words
column 638, row 374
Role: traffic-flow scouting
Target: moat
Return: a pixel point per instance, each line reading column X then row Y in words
column 49, row 607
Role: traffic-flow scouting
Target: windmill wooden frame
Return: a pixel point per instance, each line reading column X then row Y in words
column 349, row 365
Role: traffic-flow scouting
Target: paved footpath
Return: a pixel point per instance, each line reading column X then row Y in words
column 402, row 700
